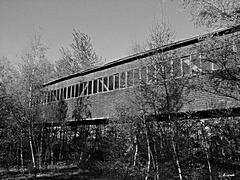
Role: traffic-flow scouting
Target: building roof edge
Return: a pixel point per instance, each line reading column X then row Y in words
column 133, row 57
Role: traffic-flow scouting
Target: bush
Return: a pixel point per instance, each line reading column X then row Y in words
column 118, row 170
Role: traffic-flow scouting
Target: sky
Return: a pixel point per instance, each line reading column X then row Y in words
column 113, row 25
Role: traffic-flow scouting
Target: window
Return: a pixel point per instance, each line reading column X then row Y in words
column 195, row 64
column 48, row 96
column 130, row 78
column 90, row 87
column 177, row 71
column 159, row 72
column 105, row 84
column 44, row 97
column 80, row 89
column 186, row 65
column 143, row 74
column 95, row 83
column 150, row 75
column 206, row 65
column 38, row 99
column 110, row 83
column 136, row 76
column 54, row 95
column 85, row 87
column 77, row 90
column 61, row 93
column 69, row 92
column 58, row 94
column 215, row 66
column 123, row 80
column 116, row 81
column 235, row 46
column 73, row 91
column 100, row 85
column 167, row 69
column 65, row 93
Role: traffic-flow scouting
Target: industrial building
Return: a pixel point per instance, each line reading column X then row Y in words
column 108, row 85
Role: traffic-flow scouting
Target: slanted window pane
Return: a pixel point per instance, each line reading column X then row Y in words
column 150, row 74
column 110, row 83
column 143, row 74
column 85, row 88
column 136, row 76
column 69, row 92
column 90, row 87
column 186, row 65
column 57, row 94
column 206, row 65
column 95, row 86
column 123, row 80
column 80, row 89
column 116, row 79
column 100, row 85
column 215, row 66
column 130, row 78
column 105, row 83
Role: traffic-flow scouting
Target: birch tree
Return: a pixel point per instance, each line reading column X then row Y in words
column 35, row 69
column 79, row 56
column 214, row 13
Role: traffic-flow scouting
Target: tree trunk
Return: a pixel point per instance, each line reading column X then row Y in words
column 40, row 149
column 148, row 147
column 21, row 155
column 177, row 160
column 136, row 151
column 61, row 144
column 156, row 162
column 51, row 146
column 206, row 152
column 30, row 127
column 31, row 147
